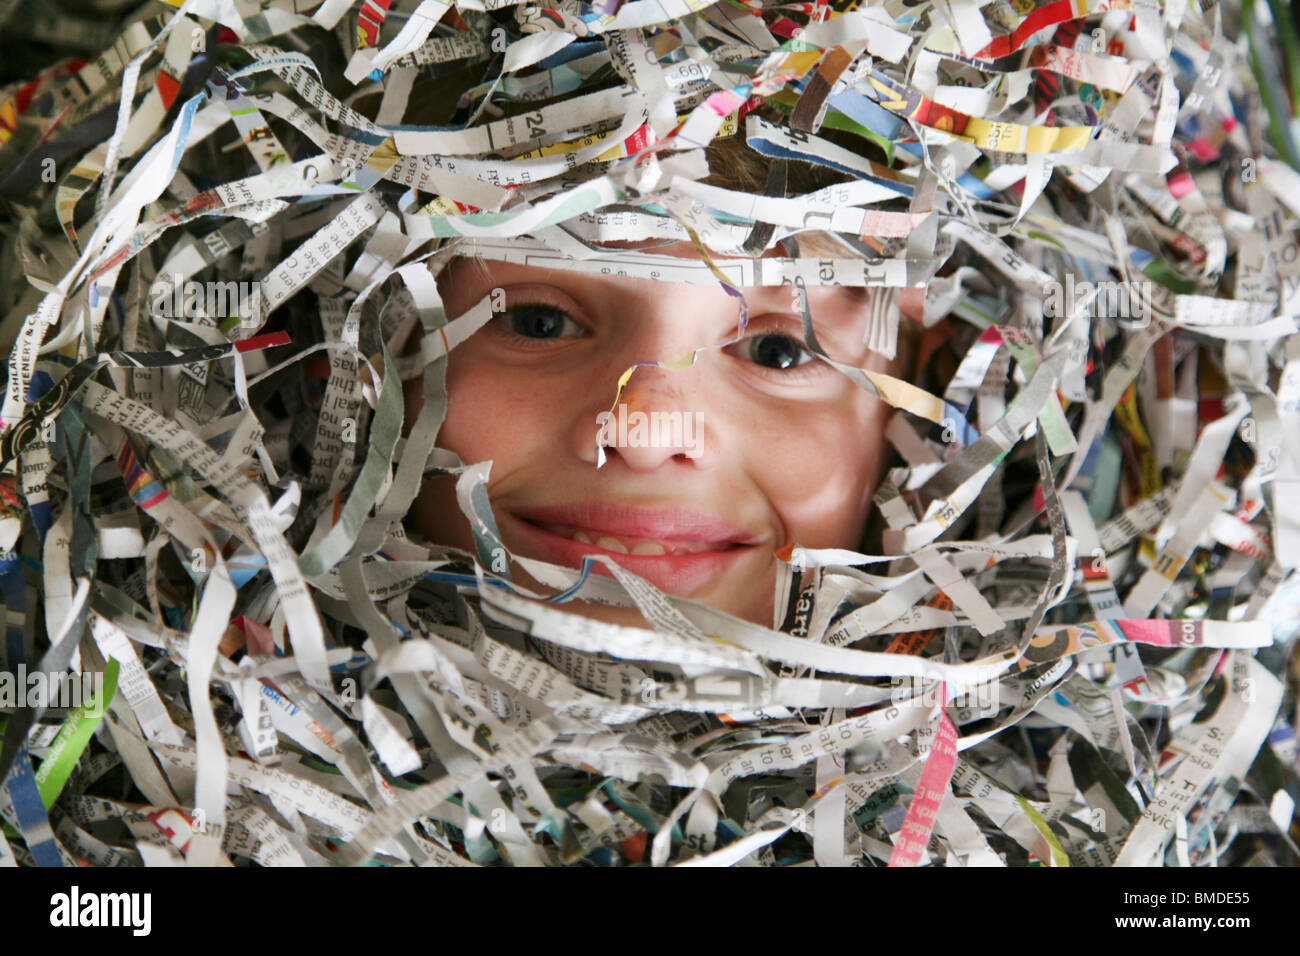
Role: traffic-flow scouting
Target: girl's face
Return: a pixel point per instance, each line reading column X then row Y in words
column 771, row 444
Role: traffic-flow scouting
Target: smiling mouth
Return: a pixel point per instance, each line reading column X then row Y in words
column 667, row 556
column 642, row 547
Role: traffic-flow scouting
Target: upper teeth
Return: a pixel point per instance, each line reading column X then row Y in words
column 637, row 545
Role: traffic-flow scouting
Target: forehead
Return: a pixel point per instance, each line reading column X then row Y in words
column 466, row 276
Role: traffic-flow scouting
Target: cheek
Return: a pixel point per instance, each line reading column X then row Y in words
column 492, row 414
column 484, row 414
column 823, row 473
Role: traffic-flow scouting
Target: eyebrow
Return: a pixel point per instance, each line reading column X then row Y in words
column 843, row 328
column 840, row 329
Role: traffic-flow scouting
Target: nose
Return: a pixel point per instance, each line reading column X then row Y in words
column 656, row 420
column 659, row 418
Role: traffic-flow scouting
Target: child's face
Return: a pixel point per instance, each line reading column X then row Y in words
column 774, row 445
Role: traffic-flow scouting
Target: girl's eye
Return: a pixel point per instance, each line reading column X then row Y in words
column 538, row 321
column 778, row 351
column 777, row 355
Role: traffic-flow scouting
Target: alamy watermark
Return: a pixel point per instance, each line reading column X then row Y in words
column 178, row 298
column 100, row 909
column 651, row 430
column 24, row 688
column 1127, row 302
column 922, row 692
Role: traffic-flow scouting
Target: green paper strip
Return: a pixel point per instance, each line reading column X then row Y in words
column 72, row 739
column 1267, row 72
column 1160, row 271
column 833, row 119
column 1058, row 854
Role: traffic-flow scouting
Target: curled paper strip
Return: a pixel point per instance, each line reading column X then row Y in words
column 278, row 300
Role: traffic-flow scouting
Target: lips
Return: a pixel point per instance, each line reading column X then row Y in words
column 625, row 521
column 677, row 550
column 631, row 545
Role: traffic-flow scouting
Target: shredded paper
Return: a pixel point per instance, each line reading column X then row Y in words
column 1064, row 638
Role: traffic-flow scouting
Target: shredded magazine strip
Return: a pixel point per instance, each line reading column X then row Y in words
column 662, row 433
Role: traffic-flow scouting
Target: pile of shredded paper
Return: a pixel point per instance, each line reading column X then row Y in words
column 1075, row 650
